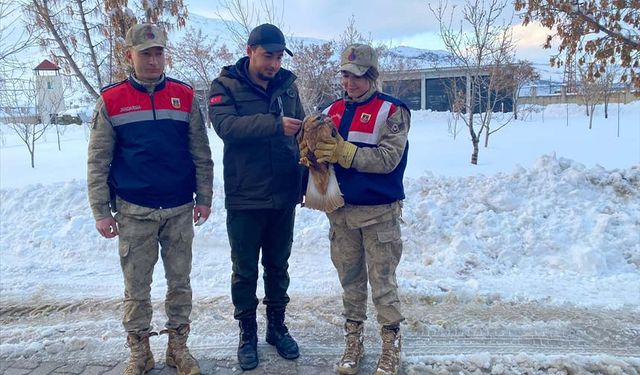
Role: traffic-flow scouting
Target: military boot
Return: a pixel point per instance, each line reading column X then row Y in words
column 389, row 362
column 141, row 359
column 354, row 349
column 178, row 355
column 278, row 334
column 248, row 343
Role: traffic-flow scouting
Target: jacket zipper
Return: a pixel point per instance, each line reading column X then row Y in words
column 153, row 106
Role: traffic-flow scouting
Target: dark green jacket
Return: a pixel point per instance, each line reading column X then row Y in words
column 260, row 163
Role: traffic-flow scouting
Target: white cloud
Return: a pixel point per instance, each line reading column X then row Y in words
column 529, row 40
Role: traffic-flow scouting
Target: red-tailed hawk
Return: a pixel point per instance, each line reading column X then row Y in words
column 323, row 192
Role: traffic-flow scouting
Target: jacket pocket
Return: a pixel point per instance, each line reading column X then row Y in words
column 250, row 104
column 388, row 236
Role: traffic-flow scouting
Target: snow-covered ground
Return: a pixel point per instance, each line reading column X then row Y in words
column 549, row 220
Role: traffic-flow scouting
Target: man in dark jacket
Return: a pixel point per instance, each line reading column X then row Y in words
column 255, row 109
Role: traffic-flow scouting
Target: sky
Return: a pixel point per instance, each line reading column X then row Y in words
column 540, row 242
column 406, row 22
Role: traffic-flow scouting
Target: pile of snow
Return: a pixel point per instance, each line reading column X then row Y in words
column 541, row 234
column 559, row 232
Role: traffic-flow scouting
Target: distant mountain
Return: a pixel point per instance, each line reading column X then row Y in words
column 419, row 53
column 212, row 28
column 216, row 28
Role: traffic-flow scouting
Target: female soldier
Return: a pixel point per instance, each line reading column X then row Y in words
column 369, row 155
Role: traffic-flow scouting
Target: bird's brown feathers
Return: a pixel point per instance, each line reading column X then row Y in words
column 325, row 193
column 316, row 129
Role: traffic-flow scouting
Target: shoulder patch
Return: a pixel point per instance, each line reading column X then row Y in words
column 216, row 99
column 395, row 127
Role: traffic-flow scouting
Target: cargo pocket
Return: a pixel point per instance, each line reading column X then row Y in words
column 187, row 235
column 389, row 236
column 390, row 249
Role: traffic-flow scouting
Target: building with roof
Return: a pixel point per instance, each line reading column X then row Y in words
column 429, row 88
column 49, row 90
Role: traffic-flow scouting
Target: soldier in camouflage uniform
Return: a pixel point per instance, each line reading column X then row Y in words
column 369, row 156
column 148, row 154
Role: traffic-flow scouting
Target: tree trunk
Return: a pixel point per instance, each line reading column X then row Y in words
column 475, row 139
column 58, row 135
column 476, row 150
column 32, row 151
column 486, row 137
column 92, row 49
column 591, row 118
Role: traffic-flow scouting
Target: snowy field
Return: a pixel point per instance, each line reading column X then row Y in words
column 542, row 234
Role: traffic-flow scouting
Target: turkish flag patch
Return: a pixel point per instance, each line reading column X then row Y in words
column 215, row 99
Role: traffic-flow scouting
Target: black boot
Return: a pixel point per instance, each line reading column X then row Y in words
column 278, row 334
column 248, row 343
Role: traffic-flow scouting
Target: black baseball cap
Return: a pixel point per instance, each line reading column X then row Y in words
column 269, row 37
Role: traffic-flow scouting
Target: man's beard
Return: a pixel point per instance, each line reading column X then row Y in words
column 265, row 77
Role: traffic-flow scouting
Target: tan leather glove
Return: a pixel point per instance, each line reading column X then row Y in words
column 336, row 150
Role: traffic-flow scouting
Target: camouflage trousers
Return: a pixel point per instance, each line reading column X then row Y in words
column 142, row 232
column 366, row 246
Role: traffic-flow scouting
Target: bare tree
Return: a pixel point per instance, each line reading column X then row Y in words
column 515, row 77
column 457, row 100
column 240, row 18
column 86, row 36
column 482, row 45
column 15, row 36
column 592, row 91
column 316, row 70
column 18, row 104
column 71, row 37
column 594, row 33
column 608, row 78
column 198, row 60
column 351, row 35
